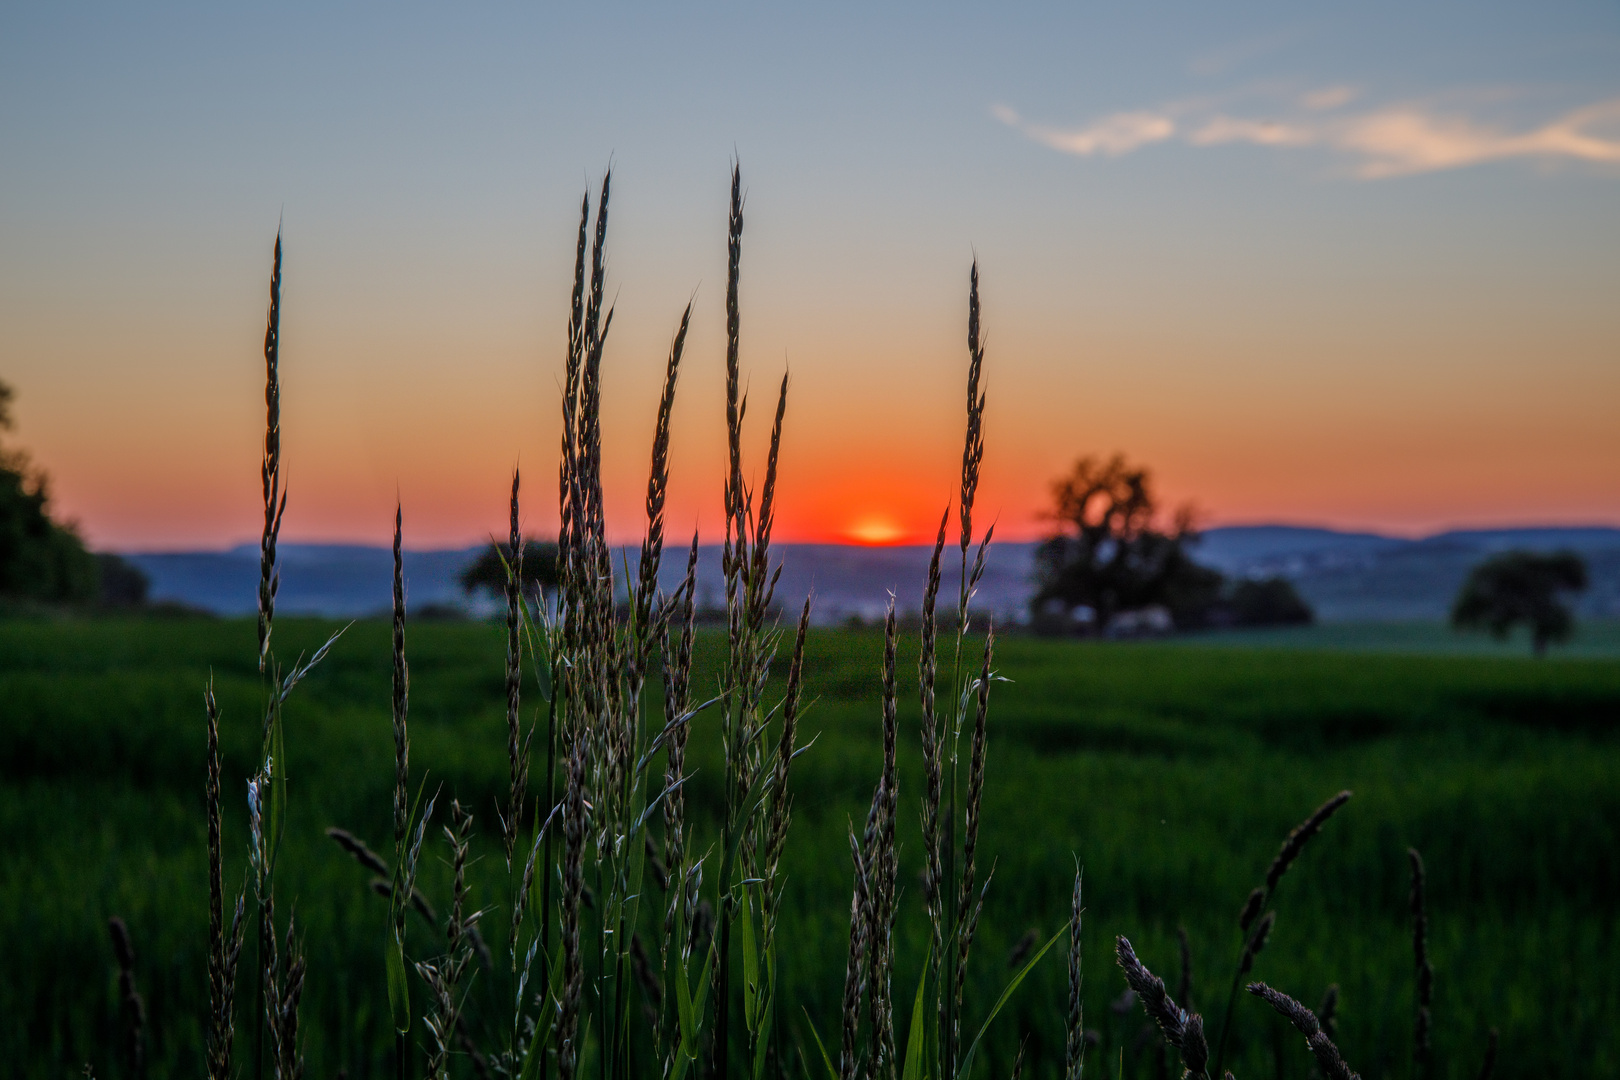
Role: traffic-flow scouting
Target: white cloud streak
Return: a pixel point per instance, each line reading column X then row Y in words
column 1111, row 136
column 1401, row 140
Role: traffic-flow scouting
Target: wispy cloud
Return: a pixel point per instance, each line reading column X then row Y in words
column 1401, row 141
column 1329, row 97
column 1387, row 141
column 1112, row 135
column 1228, row 129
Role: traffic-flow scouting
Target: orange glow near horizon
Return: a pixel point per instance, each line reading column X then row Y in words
column 426, row 380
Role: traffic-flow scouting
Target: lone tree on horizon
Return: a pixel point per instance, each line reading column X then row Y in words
column 488, row 571
column 1109, row 554
column 1521, row 587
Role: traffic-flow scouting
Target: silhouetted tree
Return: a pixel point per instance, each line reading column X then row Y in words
column 1108, row 555
column 1269, row 602
column 1521, row 587
column 39, row 558
column 488, row 571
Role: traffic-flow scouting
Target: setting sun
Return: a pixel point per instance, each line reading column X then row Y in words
column 874, row 530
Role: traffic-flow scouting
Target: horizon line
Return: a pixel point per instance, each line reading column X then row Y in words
column 635, row 540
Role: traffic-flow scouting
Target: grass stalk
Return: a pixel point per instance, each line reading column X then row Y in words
column 399, row 989
column 132, row 1005
column 1259, row 901
column 224, row 944
column 1328, row 1058
column 517, row 746
column 1075, row 1046
column 1424, row 990
column 1182, row 1029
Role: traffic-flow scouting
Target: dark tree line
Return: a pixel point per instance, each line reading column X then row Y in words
column 43, row 560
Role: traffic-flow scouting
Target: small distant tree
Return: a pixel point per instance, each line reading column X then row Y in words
column 1108, row 554
column 1269, row 601
column 1521, row 587
column 40, row 559
column 488, row 571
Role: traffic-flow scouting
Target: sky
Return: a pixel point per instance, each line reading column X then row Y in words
column 1353, row 267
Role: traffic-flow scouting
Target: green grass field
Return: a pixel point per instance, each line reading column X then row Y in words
column 1592, row 639
column 1170, row 772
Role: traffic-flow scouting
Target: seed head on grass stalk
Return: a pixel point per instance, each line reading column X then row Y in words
column 1260, row 898
column 275, row 500
column 570, row 495
column 284, row 989
column 407, row 847
column 750, row 583
column 1327, row 1015
column 517, row 745
column 1299, row 837
column 761, row 579
column 1182, row 1029
column 1257, row 942
column 948, row 884
column 564, row 651
column 781, row 801
column 1304, row 1021
column 1251, row 909
column 677, row 683
column 973, row 446
column 734, row 404
column 652, row 546
column 443, row 977
column 882, row 871
column 855, row 966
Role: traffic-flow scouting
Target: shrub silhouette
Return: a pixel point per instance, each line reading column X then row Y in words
column 1269, row 602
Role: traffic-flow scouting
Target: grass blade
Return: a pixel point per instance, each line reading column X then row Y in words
column 967, row 1060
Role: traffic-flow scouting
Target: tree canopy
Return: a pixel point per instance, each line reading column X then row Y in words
column 1108, row 553
column 1525, row 587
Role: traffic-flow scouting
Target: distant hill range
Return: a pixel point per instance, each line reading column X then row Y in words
column 1346, row 577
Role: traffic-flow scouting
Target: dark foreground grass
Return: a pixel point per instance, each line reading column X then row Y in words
column 1171, row 773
